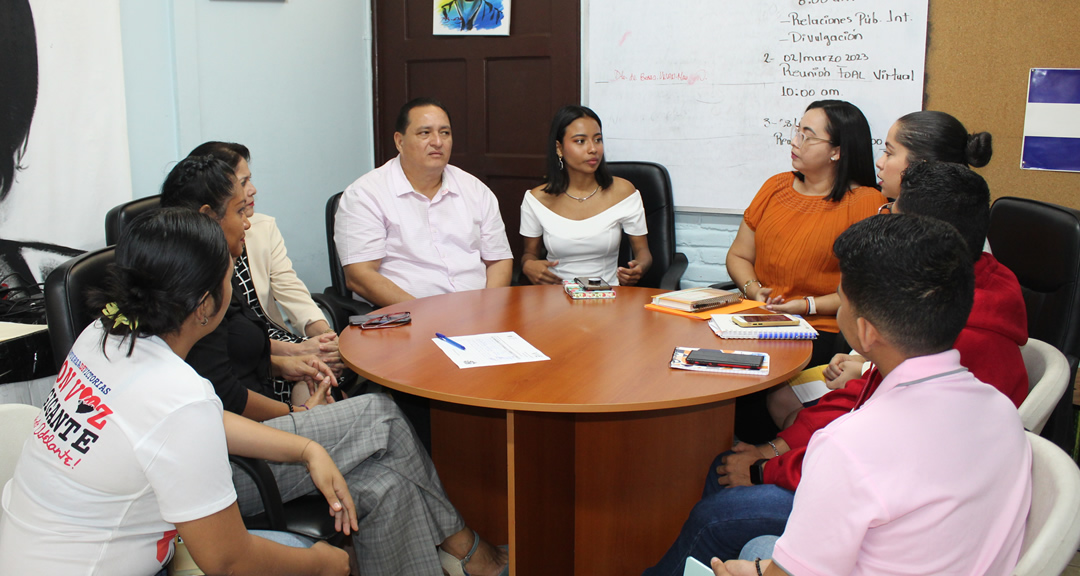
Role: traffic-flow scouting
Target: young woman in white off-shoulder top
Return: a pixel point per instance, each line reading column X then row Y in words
column 579, row 214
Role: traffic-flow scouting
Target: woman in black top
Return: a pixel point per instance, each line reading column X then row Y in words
column 406, row 523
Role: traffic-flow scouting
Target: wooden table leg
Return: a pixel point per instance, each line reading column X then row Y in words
column 468, row 446
column 592, row 494
column 638, row 475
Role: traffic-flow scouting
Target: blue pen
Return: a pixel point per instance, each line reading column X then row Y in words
column 445, row 339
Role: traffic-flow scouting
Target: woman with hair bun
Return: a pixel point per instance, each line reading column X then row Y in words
column 929, row 135
column 131, row 446
column 407, row 524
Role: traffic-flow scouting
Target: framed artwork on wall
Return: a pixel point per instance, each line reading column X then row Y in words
column 471, row 18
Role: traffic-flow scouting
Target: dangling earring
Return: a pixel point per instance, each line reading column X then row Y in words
column 560, row 163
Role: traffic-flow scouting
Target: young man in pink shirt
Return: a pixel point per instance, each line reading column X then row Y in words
column 899, row 485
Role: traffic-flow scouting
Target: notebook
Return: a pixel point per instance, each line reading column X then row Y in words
column 724, row 327
column 706, row 314
column 809, row 385
column 696, row 299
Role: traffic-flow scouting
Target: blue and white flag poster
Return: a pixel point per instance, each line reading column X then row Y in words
column 1052, row 121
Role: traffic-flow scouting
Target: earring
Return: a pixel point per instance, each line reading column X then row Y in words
column 205, row 321
column 835, row 158
column 560, row 163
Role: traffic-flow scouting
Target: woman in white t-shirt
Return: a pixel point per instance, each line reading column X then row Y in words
column 581, row 211
column 131, row 445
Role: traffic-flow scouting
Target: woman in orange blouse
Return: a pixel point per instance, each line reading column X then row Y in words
column 782, row 255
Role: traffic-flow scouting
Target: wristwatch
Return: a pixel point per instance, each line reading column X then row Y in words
column 757, row 471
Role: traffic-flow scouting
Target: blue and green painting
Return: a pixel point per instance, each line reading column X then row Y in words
column 465, row 15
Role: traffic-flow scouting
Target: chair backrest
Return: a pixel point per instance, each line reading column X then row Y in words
column 337, row 272
column 654, row 183
column 16, row 423
column 120, row 216
column 1040, row 243
column 1053, row 522
column 65, row 298
column 1048, row 378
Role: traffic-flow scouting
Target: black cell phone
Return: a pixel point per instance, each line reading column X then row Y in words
column 706, row 357
column 360, row 319
column 592, row 283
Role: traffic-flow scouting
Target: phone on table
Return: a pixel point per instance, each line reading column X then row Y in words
column 592, row 283
column 696, row 568
column 762, row 320
column 706, row 357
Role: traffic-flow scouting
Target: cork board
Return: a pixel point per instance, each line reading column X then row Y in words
column 977, row 62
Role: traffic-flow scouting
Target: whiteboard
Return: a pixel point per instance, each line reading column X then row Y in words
column 711, row 88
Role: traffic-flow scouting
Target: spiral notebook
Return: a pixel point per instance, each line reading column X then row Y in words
column 725, row 328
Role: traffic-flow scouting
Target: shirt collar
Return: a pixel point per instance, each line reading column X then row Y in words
column 919, row 369
column 401, row 185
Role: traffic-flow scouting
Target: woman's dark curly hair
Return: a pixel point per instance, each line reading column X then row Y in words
column 168, row 262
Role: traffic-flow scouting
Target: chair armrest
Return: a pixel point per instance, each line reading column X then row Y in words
column 342, row 307
column 673, row 275
column 729, row 285
column 328, row 309
column 259, row 472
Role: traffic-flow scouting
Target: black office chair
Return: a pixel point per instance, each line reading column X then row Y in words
column 338, row 293
column 1040, row 243
column 120, row 216
column 68, row 314
column 654, row 183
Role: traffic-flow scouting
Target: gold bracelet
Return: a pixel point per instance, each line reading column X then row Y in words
column 747, row 285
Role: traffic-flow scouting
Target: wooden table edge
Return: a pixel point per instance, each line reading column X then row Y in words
column 577, row 408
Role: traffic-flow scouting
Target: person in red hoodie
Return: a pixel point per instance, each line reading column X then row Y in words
column 749, row 491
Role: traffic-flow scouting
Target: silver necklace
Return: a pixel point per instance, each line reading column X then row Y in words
column 585, row 198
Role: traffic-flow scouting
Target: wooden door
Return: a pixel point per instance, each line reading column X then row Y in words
column 501, row 91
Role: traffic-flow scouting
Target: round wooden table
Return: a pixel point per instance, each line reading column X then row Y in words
column 587, row 463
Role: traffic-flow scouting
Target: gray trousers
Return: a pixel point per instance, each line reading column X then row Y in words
column 403, row 511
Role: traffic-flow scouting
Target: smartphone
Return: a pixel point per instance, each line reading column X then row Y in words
column 706, row 357
column 759, row 320
column 696, row 568
column 592, row 283
column 360, row 319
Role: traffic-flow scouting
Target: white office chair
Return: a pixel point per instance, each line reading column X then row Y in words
column 1048, row 378
column 16, row 423
column 1053, row 523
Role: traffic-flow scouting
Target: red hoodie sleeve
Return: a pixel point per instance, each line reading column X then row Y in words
column 829, row 407
column 786, row 470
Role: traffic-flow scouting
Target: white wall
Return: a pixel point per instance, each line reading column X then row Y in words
column 292, row 81
column 289, row 79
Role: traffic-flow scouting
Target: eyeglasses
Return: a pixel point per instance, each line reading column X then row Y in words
column 798, row 137
column 885, row 208
column 387, row 321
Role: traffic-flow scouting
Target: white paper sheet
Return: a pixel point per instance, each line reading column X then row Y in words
column 489, row 350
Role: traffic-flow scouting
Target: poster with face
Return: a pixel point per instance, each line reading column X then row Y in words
column 63, row 133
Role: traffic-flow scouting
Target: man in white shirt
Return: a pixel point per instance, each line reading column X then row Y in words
column 416, row 226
